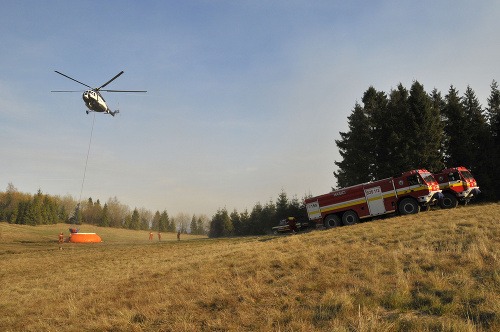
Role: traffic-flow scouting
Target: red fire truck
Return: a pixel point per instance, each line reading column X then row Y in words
column 457, row 184
column 405, row 194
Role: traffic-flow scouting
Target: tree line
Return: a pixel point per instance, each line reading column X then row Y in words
column 409, row 129
column 260, row 220
column 43, row 209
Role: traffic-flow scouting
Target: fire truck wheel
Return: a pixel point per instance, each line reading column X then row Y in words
column 350, row 218
column 408, row 206
column 332, row 221
column 449, row 201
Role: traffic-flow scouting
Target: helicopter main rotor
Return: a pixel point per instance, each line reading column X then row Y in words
column 111, row 80
column 95, row 89
column 71, row 78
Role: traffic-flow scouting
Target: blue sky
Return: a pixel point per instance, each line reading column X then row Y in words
column 245, row 98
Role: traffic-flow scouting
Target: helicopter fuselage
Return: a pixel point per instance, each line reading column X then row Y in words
column 95, row 102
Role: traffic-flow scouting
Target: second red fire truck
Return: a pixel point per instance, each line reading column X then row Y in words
column 407, row 194
column 458, row 185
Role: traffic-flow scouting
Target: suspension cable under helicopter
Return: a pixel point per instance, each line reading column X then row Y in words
column 85, row 169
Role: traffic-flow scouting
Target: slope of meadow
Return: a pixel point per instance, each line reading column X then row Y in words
column 435, row 271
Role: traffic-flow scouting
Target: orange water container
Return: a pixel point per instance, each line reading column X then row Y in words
column 84, row 238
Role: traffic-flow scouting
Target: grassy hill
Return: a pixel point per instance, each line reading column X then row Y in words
column 435, row 271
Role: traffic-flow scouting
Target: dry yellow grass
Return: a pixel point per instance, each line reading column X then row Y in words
column 436, row 271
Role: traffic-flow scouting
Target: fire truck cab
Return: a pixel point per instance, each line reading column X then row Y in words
column 406, row 194
column 458, row 185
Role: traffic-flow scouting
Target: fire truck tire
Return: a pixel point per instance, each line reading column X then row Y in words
column 350, row 218
column 332, row 221
column 408, row 206
column 449, row 201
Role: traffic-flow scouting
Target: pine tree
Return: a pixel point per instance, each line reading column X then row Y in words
column 391, row 125
column 146, row 218
column 22, row 212
column 455, row 123
column 478, row 141
column 216, row 227
column 104, row 219
column 97, row 211
column 268, row 218
column 228, row 229
column 200, row 227
column 221, row 224
column 375, row 107
column 87, row 212
column 163, row 222
column 254, row 220
column 135, row 221
column 438, row 105
column 297, row 209
column 170, row 224
column 156, row 220
column 237, row 224
column 194, row 225
column 356, row 149
column 282, row 204
column 427, row 130
column 35, row 210
column 77, row 217
column 477, row 129
column 245, row 223
column 50, row 208
column 493, row 111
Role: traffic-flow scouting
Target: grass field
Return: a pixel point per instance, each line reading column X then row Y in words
column 435, row 271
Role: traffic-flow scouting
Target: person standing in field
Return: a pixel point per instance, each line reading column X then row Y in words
column 159, row 236
column 150, row 236
column 292, row 224
column 61, row 240
column 178, row 235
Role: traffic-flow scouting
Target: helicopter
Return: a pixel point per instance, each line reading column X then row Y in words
column 93, row 98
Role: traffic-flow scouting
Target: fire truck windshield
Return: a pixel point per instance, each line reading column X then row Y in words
column 467, row 175
column 428, row 178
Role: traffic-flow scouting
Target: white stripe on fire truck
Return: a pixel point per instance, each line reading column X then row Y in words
column 343, row 205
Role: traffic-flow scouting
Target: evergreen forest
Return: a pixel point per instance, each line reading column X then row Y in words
column 412, row 129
